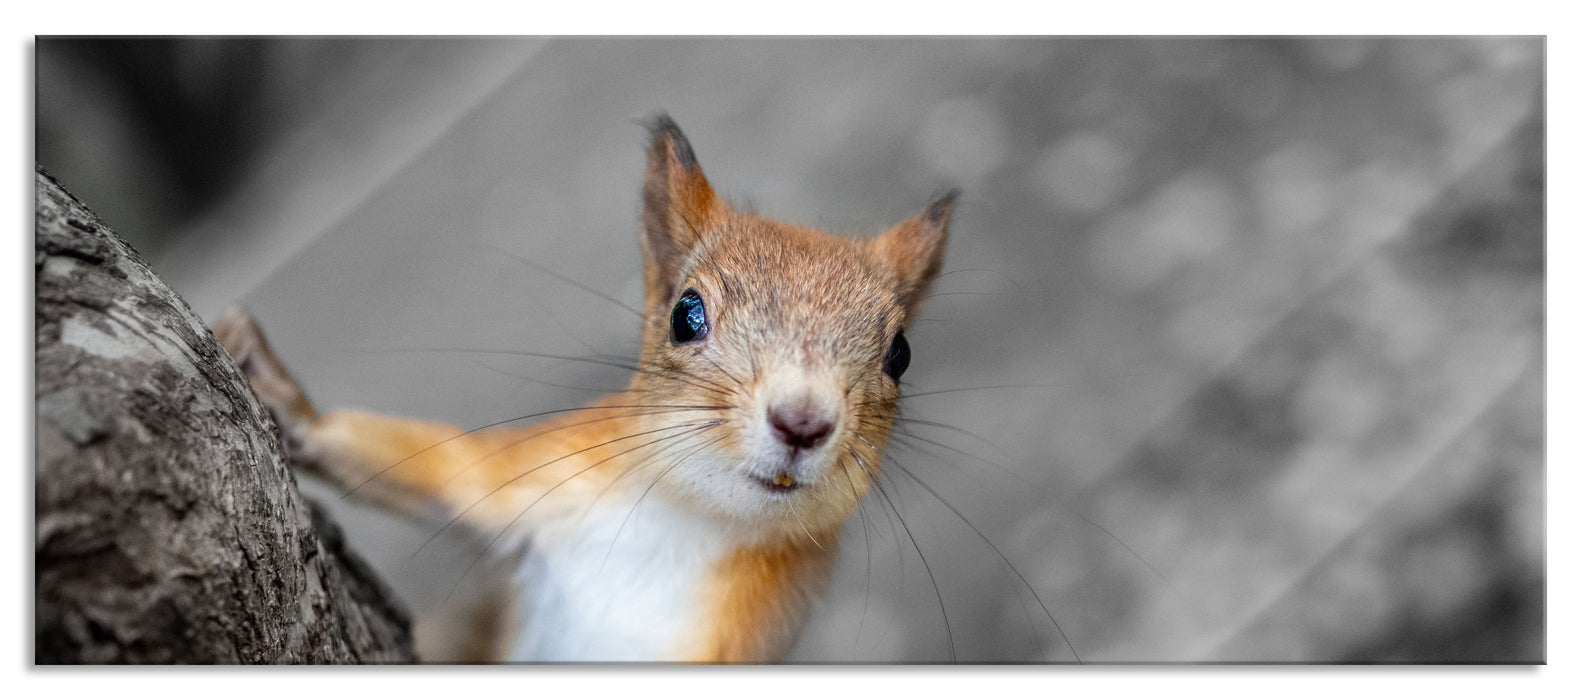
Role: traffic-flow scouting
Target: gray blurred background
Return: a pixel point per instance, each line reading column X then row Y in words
column 1254, row 326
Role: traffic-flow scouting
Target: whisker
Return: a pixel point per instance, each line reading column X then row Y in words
column 513, row 479
column 867, row 574
column 667, row 373
column 989, row 387
column 496, row 424
column 515, row 443
column 629, row 470
column 997, row 552
column 891, row 516
column 994, row 387
column 963, row 294
column 1001, row 275
column 954, row 429
column 1080, row 516
column 644, row 495
column 1063, row 504
column 692, row 428
column 790, row 507
column 902, row 438
column 725, row 372
column 568, row 280
column 542, row 496
column 502, row 351
column 873, row 478
column 642, row 463
column 938, row 497
column 950, row 638
column 536, row 380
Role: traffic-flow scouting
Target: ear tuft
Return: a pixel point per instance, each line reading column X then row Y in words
column 678, row 208
column 664, row 133
column 915, row 249
column 938, row 213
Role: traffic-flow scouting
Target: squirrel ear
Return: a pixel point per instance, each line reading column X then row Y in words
column 915, row 248
column 678, row 205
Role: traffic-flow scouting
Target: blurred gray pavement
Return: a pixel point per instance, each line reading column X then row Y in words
column 1267, row 315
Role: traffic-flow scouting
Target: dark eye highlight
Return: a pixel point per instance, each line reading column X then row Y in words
column 689, row 321
column 897, row 357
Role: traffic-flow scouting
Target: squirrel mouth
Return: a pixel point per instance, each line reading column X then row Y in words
column 781, row 482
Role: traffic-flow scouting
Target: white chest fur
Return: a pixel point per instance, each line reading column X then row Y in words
column 596, row 589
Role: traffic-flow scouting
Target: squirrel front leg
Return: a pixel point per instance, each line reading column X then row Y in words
column 400, row 464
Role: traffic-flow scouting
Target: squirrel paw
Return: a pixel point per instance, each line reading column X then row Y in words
column 242, row 337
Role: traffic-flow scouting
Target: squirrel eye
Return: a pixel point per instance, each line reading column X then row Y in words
column 689, row 321
column 898, row 357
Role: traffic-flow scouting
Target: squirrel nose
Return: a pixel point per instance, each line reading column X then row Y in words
column 799, row 423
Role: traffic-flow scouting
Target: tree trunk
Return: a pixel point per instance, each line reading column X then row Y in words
column 168, row 527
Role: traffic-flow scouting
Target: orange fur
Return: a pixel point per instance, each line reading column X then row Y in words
column 795, row 315
column 483, row 478
column 757, row 598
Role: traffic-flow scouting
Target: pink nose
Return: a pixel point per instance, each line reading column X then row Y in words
column 799, row 424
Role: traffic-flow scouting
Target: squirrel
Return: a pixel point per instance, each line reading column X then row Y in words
column 695, row 516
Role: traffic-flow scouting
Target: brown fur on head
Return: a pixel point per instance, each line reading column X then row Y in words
column 799, row 324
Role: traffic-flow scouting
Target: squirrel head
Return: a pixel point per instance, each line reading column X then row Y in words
column 795, row 338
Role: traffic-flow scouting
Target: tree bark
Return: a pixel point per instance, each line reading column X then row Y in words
column 168, row 528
